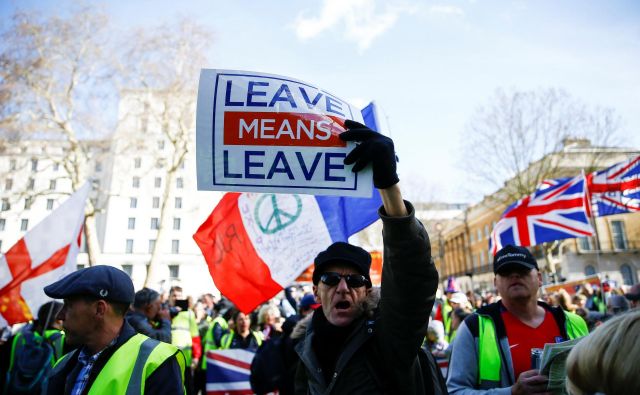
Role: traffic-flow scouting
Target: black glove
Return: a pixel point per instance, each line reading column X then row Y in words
column 374, row 148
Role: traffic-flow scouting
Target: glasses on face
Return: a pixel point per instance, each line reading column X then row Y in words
column 353, row 280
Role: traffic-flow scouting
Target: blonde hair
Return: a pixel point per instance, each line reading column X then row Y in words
column 606, row 361
column 267, row 310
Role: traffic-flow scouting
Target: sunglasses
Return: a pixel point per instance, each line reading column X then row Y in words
column 353, row 280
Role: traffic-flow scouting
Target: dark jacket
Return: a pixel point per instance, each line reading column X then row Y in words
column 167, row 378
column 141, row 324
column 381, row 353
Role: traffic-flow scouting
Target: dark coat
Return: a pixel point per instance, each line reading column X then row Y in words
column 381, row 353
column 141, row 324
column 166, row 379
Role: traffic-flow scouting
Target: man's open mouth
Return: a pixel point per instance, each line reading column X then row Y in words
column 343, row 305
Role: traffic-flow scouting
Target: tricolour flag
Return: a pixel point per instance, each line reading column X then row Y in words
column 555, row 211
column 257, row 244
column 45, row 254
column 228, row 372
column 615, row 190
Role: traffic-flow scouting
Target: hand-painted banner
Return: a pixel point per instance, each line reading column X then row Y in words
column 265, row 133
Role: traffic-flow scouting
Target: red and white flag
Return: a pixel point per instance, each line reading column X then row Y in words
column 45, row 254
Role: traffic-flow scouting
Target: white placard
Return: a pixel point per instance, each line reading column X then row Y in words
column 259, row 132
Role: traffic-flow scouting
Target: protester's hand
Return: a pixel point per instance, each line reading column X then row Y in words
column 164, row 314
column 530, row 382
column 374, row 148
column 194, row 363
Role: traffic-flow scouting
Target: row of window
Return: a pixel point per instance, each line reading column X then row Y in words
column 618, row 238
column 31, row 183
column 157, row 182
column 13, row 165
column 175, row 246
column 24, row 224
column 155, row 202
column 137, row 163
column 28, row 202
column 174, row 270
column 155, row 223
column 478, row 234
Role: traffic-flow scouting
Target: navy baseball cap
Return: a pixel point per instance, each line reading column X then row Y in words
column 514, row 255
column 308, row 301
column 345, row 253
column 101, row 281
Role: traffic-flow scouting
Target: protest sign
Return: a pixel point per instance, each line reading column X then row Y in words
column 572, row 286
column 259, row 132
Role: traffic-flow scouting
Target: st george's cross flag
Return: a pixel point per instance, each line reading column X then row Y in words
column 615, row 190
column 257, row 244
column 45, row 254
column 555, row 211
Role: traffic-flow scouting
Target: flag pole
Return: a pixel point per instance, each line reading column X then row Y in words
column 592, row 219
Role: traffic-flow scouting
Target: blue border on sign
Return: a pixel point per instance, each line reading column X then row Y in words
column 213, row 135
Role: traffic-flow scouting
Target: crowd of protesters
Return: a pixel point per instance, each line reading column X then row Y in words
column 339, row 334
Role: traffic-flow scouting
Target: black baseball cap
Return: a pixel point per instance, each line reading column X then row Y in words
column 511, row 255
column 101, row 282
column 341, row 252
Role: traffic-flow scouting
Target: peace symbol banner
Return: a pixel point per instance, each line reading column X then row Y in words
column 258, row 132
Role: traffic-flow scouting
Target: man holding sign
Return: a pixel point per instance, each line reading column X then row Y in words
column 361, row 341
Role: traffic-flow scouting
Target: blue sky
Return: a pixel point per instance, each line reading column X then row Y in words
column 428, row 64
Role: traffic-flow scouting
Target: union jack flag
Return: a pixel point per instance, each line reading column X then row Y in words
column 555, row 211
column 615, row 190
column 228, row 372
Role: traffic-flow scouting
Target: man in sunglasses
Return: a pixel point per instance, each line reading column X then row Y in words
column 492, row 351
column 361, row 341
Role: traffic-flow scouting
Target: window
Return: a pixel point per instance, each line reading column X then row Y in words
column 5, row 204
column 182, row 164
column 486, row 232
column 174, row 271
column 136, row 182
column 152, row 245
column 132, row 223
column 52, row 185
column 8, row 184
column 481, row 259
column 584, row 243
column 158, row 182
column 56, row 166
column 2, row 224
column 79, row 266
column 161, row 144
column 12, row 164
column 127, row 269
column 471, row 237
column 175, row 246
column 129, row 247
column 479, row 234
column 618, row 235
column 28, row 201
column 49, row 204
column 133, row 202
column 628, row 277
column 24, row 224
column 474, row 261
column 179, row 182
column 98, row 166
column 178, row 202
column 31, row 184
column 155, row 223
column 34, row 165
column 95, row 184
column 137, row 162
column 156, row 202
column 176, row 224
column 589, row 270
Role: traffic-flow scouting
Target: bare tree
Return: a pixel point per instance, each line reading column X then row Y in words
column 520, row 138
column 54, row 86
column 163, row 66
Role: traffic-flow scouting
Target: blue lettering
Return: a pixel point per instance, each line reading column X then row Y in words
column 251, row 93
column 315, row 101
column 225, row 160
column 285, row 169
column 308, row 173
column 328, row 166
column 248, row 164
column 227, row 97
column 331, row 102
column 283, row 88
